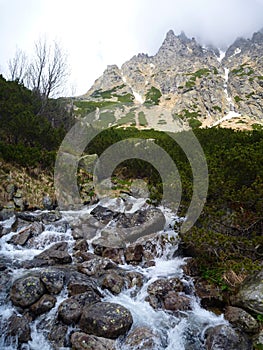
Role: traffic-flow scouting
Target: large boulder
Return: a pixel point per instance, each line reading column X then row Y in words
column 18, row 326
column 241, row 319
column 250, row 295
column 141, row 223
column 107, row 320
column 56, row 254
column 79, row 283
column 224, row 337
column 83, row 341
column 26, row 291
column 70, row 310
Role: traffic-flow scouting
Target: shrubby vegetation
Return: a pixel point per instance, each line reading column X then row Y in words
column 228, row 234
column 30, row 127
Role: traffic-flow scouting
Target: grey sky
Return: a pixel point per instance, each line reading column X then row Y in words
column 101, row 32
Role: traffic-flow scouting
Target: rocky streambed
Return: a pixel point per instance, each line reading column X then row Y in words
column 110, row 276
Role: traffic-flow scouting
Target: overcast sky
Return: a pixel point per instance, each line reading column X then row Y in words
column 101, row 32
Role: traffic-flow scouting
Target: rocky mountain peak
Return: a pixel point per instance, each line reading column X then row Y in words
column 185, row 84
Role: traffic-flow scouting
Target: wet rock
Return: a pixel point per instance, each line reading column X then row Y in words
column 96, row 266
column 79, row 283
column 115, row 254
column 103, row 214
column 53, row 280
column 56, row 254
column 4, row 230
column 161, row 287
column 19, row 224
column 108, row 320
column 58, row 335
column 166, row 293
column 250, row 294
column 26, row 291
column 51, row 216
column 141, row 224
column 134, row 279
column 113, row 282
column 225, row 337
column 21, row 237
column 109, row 239
column 6, row 214
column 29, row 216
column 44, row 304
column 70, row 310
column 141, row 338
column 82, row 245
column 83, row 341
column 85, row 227
column 18, row 326
column 175, row 302
column 241, row 320
column 133, row 254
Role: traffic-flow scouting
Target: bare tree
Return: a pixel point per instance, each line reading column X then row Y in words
column 47, row 71
column 18, row 66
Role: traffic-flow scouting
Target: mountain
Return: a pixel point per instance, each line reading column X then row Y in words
column 183, row 85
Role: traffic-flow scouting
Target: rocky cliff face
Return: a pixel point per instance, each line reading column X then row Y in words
column 183, row 85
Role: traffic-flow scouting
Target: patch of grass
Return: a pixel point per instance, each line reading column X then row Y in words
column 153, row 96
column 142, row 119
column 194, row 123
column 237, row 99
column 217, row 108
column 162, row 122
column 127, row 98
column 107, row 118
column 129, row 118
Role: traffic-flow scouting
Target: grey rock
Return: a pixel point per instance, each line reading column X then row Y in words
column 70, row 310
column 242, row 320
column 108, row 320
column 26, row 291
column 53, row 280
column 141, row 338
column 113, row 282
column 83, row 341
column 224, row 337
column 18, row 326
column 44, row 304
column 250, row 294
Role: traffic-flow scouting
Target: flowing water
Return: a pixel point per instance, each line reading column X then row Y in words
column 180, row 331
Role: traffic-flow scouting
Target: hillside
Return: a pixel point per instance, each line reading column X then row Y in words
column 182, row 85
